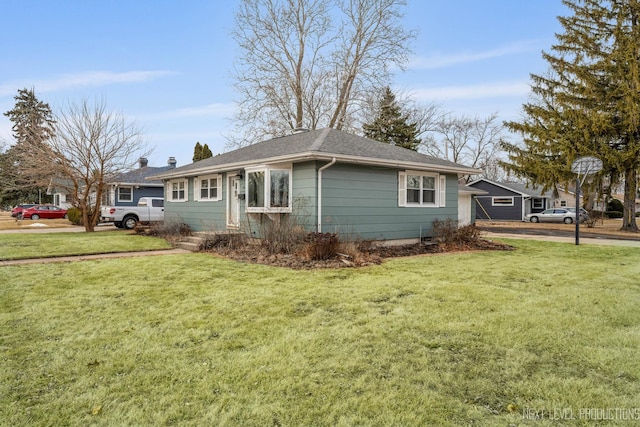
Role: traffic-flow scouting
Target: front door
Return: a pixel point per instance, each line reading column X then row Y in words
column 233, row 202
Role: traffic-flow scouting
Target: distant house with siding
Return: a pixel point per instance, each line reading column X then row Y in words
column 327, row 180
column 508, row 201
column 127, row 188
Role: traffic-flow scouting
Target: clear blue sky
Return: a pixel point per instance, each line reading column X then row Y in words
column 166, row 64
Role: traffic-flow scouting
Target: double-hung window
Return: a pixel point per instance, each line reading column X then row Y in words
column 177, row 190
column 208, row 188
column 268, row 189
column 125, row 194
column 421, row 189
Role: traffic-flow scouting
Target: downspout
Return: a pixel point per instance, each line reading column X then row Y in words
column 327, row 166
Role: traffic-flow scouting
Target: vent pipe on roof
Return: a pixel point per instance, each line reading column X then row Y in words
column 172, row 162
column 300, row 130
column 143, row 161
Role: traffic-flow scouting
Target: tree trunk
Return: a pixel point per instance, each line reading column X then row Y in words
column 630, row 194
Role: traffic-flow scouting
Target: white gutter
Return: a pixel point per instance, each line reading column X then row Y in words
column 327, row 166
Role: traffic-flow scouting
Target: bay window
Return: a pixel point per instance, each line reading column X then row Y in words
column 268, row 189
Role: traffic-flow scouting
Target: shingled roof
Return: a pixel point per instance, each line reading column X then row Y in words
column 323, row 144
column 142, row 175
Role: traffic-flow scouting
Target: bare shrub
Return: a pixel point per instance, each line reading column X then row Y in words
column 592, row 219
column 223, row 240
column 168, row 229
column 321, row 245
column 283, row 235
column 467, row 234
column 445, row 231
column 448, row 232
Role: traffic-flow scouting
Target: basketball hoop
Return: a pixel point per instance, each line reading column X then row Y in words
column 585, row 166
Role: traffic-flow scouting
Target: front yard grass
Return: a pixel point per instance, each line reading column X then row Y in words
column 484, row 338
column 44, row 245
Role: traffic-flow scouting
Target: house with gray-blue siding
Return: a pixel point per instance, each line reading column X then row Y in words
column 326, row 180
column 127, row 188
column 508, row 200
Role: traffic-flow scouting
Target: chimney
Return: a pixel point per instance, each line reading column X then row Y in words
column 172, row 162
column 143, row 162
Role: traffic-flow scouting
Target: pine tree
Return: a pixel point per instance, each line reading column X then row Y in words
column 197, row 152
column 206, row 152
column 201, row 152
column 589, row 102
column 32, row 119
column 33, row 127
column 391, row 125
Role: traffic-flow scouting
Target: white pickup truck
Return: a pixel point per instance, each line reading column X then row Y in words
column 149, row 209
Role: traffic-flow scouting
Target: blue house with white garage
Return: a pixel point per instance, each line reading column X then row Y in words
column 326, row 180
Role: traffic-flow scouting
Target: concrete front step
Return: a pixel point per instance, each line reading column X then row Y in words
column 190, row 246
column 192, row 243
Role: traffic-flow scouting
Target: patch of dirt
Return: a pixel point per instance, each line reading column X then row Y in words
column 605, row 228
column 371, row 255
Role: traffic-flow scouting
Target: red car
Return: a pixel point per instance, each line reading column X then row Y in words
column 17, row 211
column 44, row 212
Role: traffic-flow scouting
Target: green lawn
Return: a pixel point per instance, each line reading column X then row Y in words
column 549, row 330
column 42, row 245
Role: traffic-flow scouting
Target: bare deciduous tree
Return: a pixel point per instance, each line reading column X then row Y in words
column 296, row 69
column 90, row 146
column 471, row 141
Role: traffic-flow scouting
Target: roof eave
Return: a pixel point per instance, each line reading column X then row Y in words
column 313, row 155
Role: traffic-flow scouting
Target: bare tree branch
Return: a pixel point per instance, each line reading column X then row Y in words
column 90, row 146
column 296, row 69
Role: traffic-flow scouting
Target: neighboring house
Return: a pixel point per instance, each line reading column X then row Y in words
column 61, row 197
column 326, row 180
column 127, row 188
column 508, row 201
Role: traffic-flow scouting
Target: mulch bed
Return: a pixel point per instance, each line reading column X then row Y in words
column 371, row 255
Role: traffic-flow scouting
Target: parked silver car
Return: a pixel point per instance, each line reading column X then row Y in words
column 566, row 215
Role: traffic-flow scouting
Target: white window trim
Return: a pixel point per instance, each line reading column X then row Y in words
column 267, row 189
column 440, row 190
column 540, row 201
column 197, row 187
column 493, row 201
column 118, row 193
column 169, row 190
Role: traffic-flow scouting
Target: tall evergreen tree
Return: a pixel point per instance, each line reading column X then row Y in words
column 589, row 102
column 33, row 127
column 197, row 152
column 391, row 125
column 32, row 119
